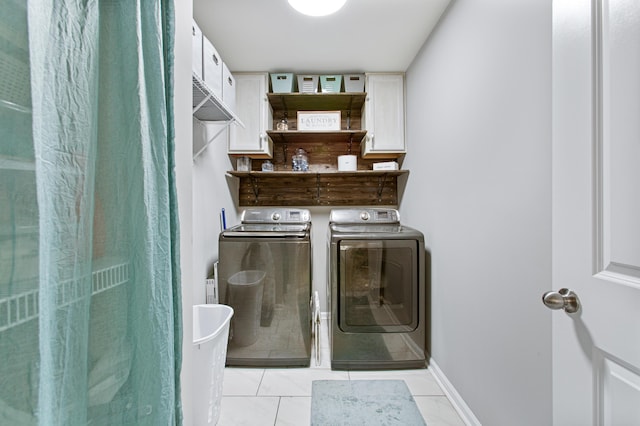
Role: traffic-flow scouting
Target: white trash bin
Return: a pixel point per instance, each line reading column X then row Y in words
column 245, row 292
column 210, row 335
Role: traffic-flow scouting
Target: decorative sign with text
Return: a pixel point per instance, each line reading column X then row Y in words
column 319, row 120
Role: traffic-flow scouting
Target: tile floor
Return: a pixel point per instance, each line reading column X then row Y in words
column 282, row 396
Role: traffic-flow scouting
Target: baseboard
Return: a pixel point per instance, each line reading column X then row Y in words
column 456, row 400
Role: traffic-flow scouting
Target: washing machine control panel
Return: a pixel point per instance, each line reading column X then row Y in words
column 276, row 215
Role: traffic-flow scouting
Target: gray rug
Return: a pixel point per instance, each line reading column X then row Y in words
column 363, row 402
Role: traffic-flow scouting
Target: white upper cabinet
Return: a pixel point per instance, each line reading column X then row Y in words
column 383, row 116
column 254, row 110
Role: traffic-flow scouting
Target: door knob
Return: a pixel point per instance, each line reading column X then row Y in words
column 563, row 299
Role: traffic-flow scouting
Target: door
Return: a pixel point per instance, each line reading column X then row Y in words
column 596, row 211
column 378, row 284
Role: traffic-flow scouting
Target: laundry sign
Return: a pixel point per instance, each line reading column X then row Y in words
column 319, row 120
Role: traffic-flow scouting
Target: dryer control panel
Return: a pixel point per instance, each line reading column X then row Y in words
column 362, row 216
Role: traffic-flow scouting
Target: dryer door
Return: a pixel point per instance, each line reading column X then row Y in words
column 378, row 285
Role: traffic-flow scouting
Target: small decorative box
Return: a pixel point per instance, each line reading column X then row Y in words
column 389, row 165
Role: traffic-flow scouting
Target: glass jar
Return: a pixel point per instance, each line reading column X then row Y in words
column 300, row 162
column 267, row 166
column 283, row 124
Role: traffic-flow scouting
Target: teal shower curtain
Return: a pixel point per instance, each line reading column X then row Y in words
column 90, row 311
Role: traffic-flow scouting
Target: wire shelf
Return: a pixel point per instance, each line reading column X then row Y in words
column 209, row 107
column 24, row 307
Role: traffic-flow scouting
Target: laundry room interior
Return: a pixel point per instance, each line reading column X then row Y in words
column 474, row 178
column 254, row 213
column 251, row 213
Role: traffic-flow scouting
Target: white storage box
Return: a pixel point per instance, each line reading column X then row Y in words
column 308, row 83
column 210, row 336
column 354, row 83
column 389, row 165
column 196, row 50
column 228, row 88
column 347, row 163
column 211, row 67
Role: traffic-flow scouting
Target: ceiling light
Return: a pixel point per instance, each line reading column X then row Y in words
column 317, row 7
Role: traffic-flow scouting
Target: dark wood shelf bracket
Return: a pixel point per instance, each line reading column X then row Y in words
column 255, row 185
column 318, row 188
column 381, row 181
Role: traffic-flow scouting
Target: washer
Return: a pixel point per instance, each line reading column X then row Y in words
column 265, row 276
column 375, row 291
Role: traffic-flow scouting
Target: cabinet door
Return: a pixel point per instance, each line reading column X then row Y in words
column 253, row 109
column 383, row 117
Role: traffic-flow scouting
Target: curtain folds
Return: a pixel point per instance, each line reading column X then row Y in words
column 104, row 336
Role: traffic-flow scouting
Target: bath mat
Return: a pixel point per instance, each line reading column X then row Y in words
column 363, row 402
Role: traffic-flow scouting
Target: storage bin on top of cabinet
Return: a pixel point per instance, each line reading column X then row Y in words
column 196, row 49
column 308, row 83
column 212, row 67
column 354, row 83
column 228, row 88
column 331, row 83
column 282, row 82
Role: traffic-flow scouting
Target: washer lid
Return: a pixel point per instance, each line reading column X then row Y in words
column 364, row 216
column 268, row 230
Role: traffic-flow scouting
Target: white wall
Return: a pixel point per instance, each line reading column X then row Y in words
column 212, row 191
column 183, row 129
column 202, row 192
column 479, row 140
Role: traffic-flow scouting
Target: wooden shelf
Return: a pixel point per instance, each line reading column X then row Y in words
column 317, row 101
column 298, row 137
column 323, row 184
column 324, row 173
column 319, row 188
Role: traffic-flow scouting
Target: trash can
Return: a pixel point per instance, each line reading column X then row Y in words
column 245, row 296
column 210, row 335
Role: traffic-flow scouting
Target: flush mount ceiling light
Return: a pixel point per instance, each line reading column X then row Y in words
column 317, row 7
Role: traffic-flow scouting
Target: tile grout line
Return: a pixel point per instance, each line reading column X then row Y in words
column 260, row 383
column 275, row 420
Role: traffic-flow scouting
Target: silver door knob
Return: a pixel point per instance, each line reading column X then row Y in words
column 563, row 299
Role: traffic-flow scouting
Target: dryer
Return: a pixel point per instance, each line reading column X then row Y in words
column 375, row 291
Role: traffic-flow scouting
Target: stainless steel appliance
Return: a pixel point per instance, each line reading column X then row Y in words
column 265, row 275
column 376, row 291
